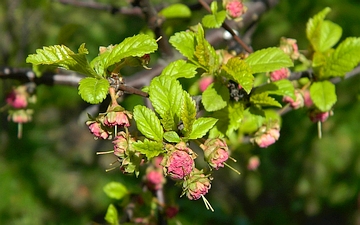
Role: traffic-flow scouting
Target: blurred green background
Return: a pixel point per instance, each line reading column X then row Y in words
column 52, row 175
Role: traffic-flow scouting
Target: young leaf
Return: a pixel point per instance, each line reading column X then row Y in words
column 184, row 42
column 93, row 90
column 137, row 45
column 172, row 136
column 188, row 112
column 149, row 148
column 179, row 68
column 201, row 126
column 269, row 59
column 323, row 95
column 282, row 87
column 165, row 94
column 176, row 11
column 214, row 20
column 240, row 72
column 345, row 57
column 205, row 53
column 235, row 114
column 62, row 56
column 264, row 99
column 148, row 123
column 215, row 97
column 112, row 215
column 115, row 190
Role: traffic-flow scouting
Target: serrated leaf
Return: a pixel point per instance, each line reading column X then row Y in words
column 176, row 11
column 179, row 68
column 313, row 28
column 329, row 34
column 205, row 53
column 323, row 95
column 239, row 71
column 172, row 136
column 148, row 123
column 215, row 97
column 62, row 56
column 165, row 94
column 93, row 90
column 345, row 57
column 115, row 190
column 169, row 121
column 201, row 126
column 267, row 60
column 188, row 112
column 282, row 87
column 236, row 114
column 149, row 148
column 184, row 42
column 263, row 99
column 214, row 20
column 111, row 215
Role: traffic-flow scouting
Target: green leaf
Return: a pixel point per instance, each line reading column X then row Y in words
column 236, row 114
column 345, row 57
column 188, row 112
column 205, row 53
column 201, row 126
column 214, row 20
column 267, row 60
column 93, row 90
column 115, row 190
column 264, row 99
column 165, row 94
column 239, row 71
column 323, row 95
column 149, row 148
column 148, row 123
column 176, row 11
column 319, row 35
column 215, row 97
column 184, row 42
column 179, row 68
column 172, row 136
column 282, row 87
column 62, row 56
column 112, row 215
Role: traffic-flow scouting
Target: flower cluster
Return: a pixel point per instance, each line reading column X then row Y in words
column 299, row 100
column 216, row 152
column 289, row 46
column 197, row 185
column 280, row 74
column 267, row 135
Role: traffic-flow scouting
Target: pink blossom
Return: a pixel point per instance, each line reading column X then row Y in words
column 290, row 47
column 120, row 146
column 16, row 100
column 307, row 99
column 96, row 129
column 316, row 116
column 116, row 118
column 20, row 116
column 299, row 101
column 216, row 152
column 280, row 74
column 205, row 82
column 155, row 179
column 235, row 8
column 196, row 185
column 254, row 163
column 267, row 137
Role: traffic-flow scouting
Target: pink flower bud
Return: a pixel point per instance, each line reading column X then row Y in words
column 254, row 163
column 179, row 161
column 155, row 179
column 266, row 137
column 307, row 99
column 298, row 103
column 20, row 115
column 116, row 118
column 280, row 74
column 316, row 116
column 205, row 82
column 216, row 152
column 97, row 130
column 290, row 47
column 235, row 8
column 120, row 146
column 17, row 99
column 196, row 185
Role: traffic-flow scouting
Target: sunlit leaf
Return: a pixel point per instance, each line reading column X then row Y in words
column 148, row 123
column 239, row 71
column 176, row 11
column 323, row 95
column 215, row 97
column 115, row 190
column 149, row 148
column 93, row 90
column 201, row 126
